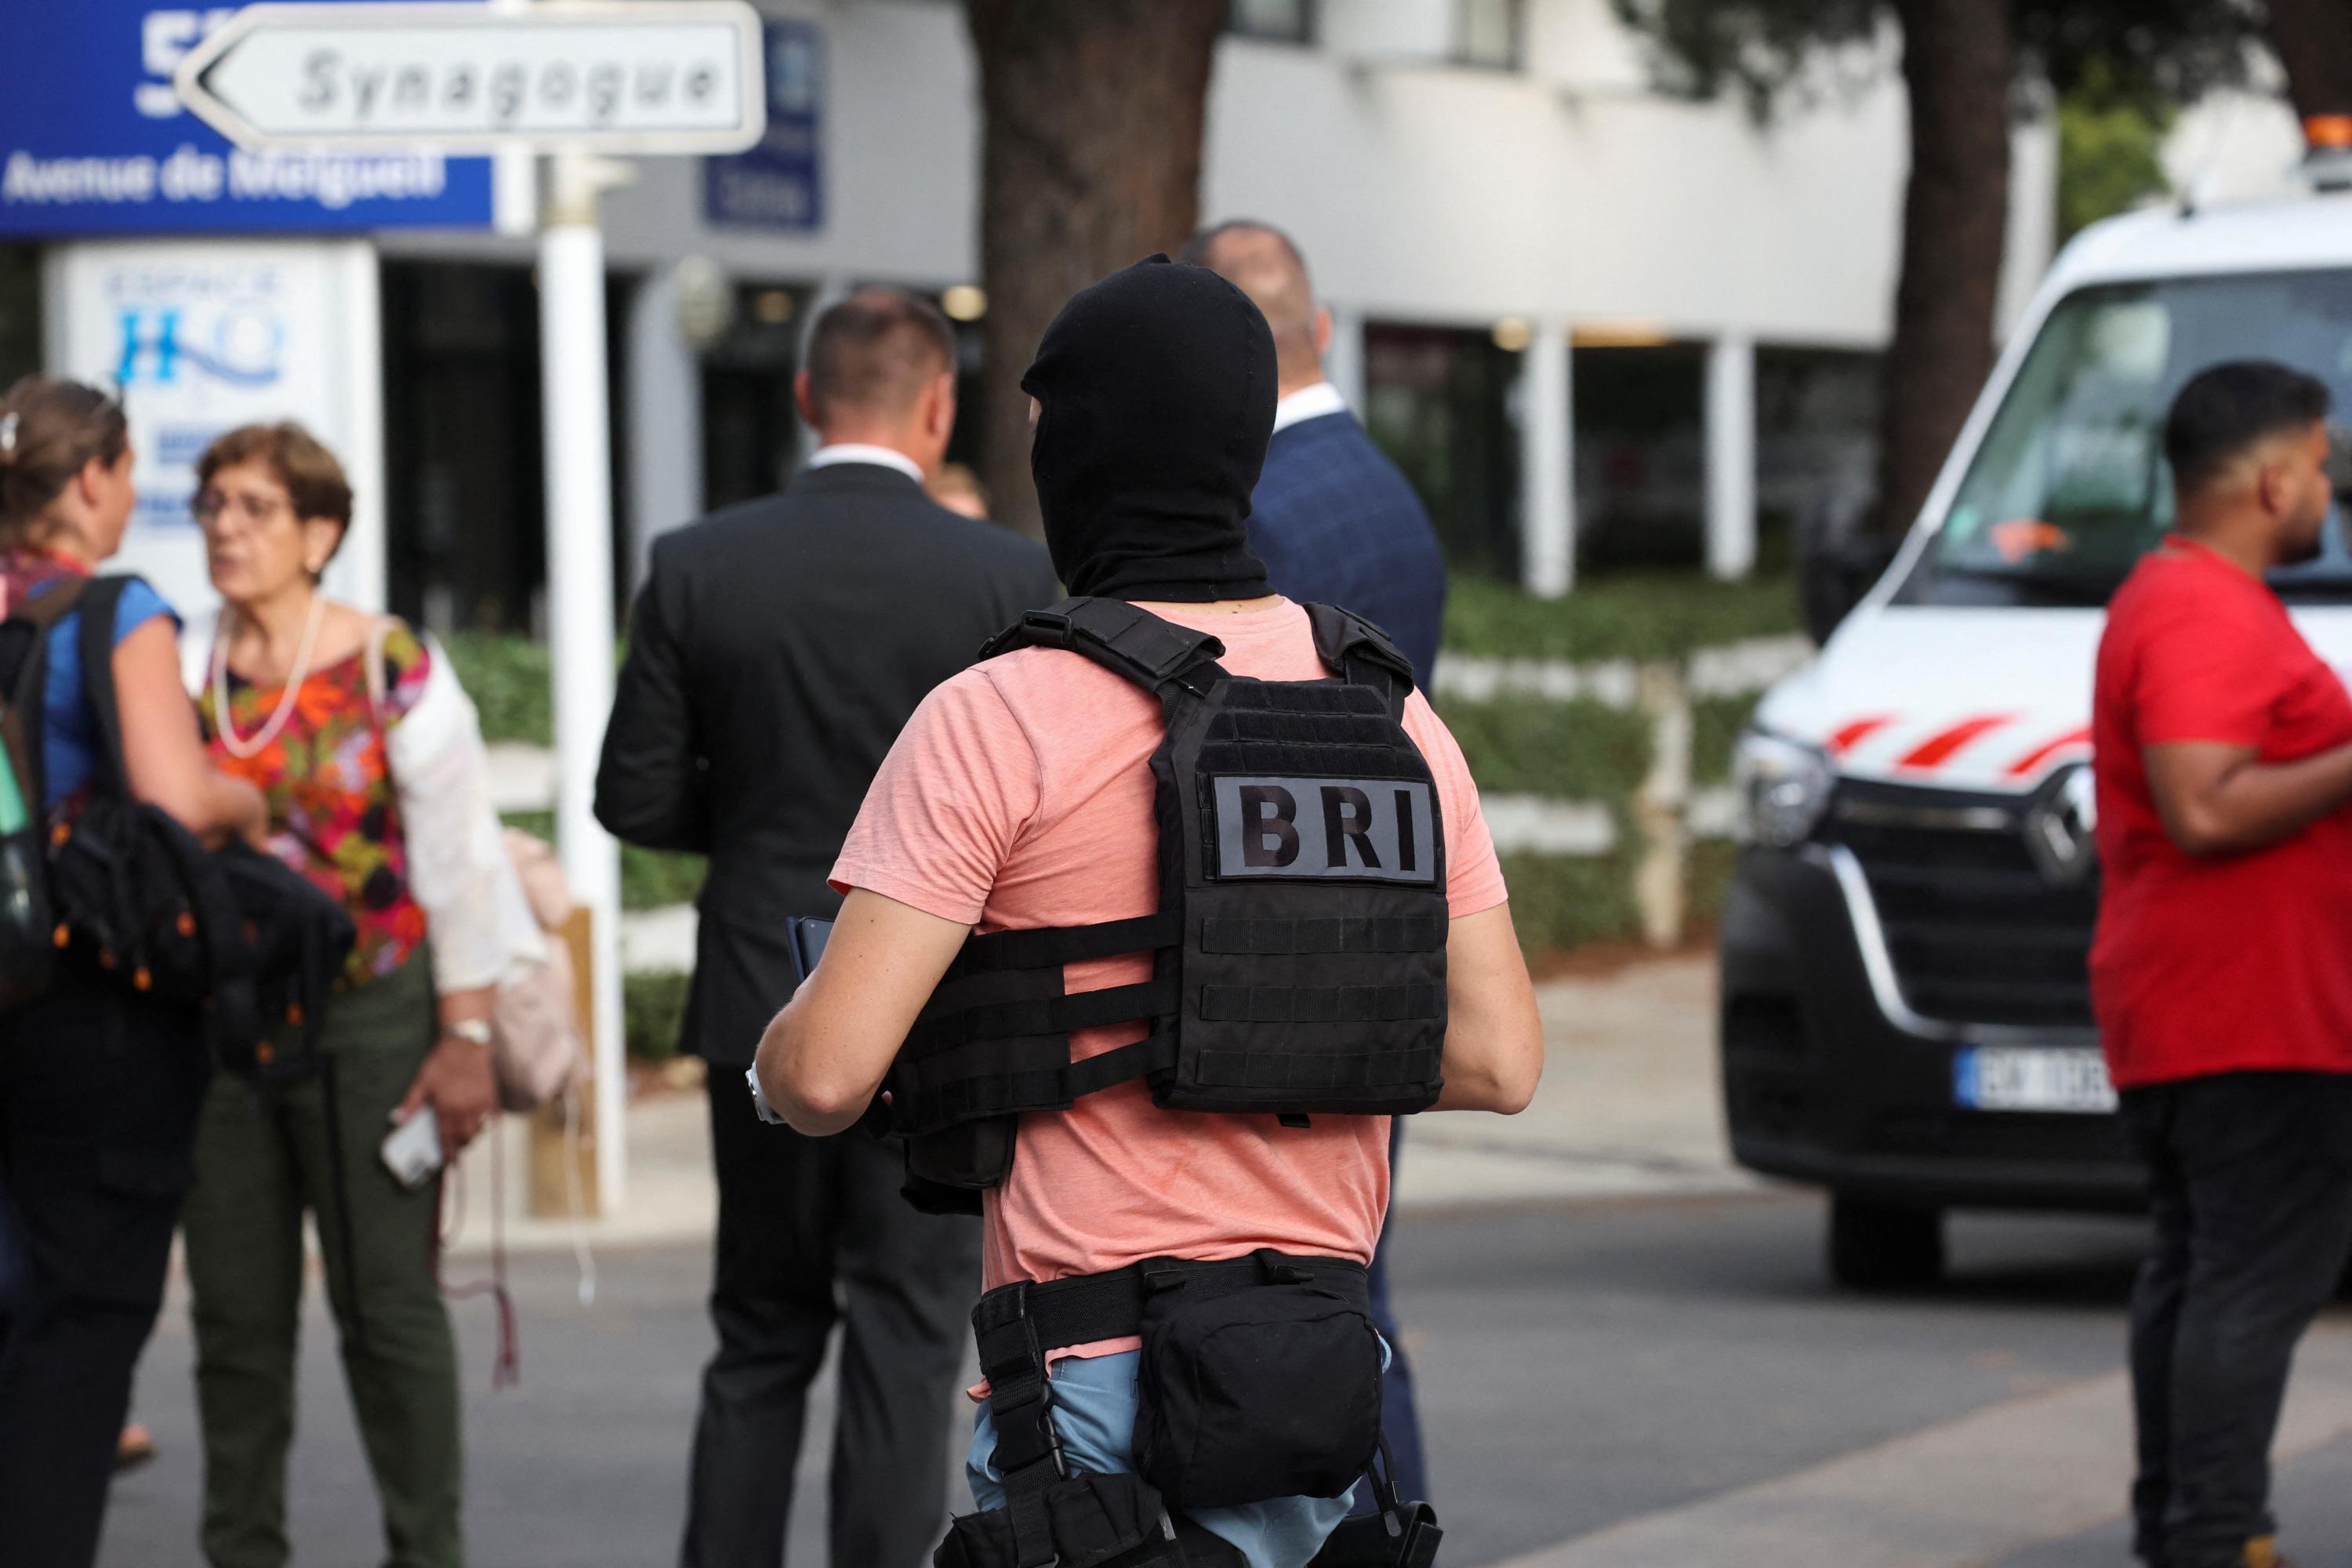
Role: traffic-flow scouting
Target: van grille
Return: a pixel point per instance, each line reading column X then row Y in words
column 1976, row 933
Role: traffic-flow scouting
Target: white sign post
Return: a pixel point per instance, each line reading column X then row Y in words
column 579, row 467
column 571, row 80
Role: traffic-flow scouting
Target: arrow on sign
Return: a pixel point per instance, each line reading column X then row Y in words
column 647, row 77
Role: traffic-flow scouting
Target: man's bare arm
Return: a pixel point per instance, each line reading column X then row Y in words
column 2216, row 799
column 1494, row 1041
column 825, row 1054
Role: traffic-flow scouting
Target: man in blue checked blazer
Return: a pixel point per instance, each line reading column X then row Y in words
column 1333, row 520
column 1336, row 523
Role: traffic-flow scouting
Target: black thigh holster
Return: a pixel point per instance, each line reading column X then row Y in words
column 1259, row 1379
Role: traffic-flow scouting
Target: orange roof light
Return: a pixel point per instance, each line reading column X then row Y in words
column 2328, row 132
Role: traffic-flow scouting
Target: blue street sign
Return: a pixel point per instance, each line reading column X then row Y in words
column 779, row 184
column 93, row 140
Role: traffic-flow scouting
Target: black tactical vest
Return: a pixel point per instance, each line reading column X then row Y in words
column 1299, row 946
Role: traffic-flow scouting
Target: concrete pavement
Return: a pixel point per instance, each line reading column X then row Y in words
column 1627, row 1354
column 1660, row 1383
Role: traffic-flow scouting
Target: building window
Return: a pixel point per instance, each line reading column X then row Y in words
column 751, row 432
column 20, row 313
column 1490, row 33
column 1437, row 401
column 1281, row 21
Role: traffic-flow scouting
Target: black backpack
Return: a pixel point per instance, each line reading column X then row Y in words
column 28, row 947
column 134, row 894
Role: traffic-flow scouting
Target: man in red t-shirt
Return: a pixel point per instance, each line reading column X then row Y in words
column 2222, row 971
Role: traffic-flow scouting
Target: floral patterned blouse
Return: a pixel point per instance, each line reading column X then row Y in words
column 334, row 815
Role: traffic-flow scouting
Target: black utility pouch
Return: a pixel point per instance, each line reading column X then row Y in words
column 969, row 1155
column 1269, row 1391
column 1096, row 1521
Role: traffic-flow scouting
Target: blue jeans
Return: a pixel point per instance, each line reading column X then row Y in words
column 1094, row 1415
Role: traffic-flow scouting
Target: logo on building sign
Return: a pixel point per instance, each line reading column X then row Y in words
column 243, row 346
column 2060, row 828
column 197, row 349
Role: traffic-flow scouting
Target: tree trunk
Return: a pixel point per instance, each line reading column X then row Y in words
column 2314, row 41
column 1958, row 63
column 1090, row 159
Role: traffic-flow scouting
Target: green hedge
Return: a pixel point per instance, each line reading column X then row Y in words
column 1580, row 750
column 507, row 677
column 650, row 879
column 1715, row 724
column 1632, row 616
column 1628, row 615
column 652, row 1006
column 654, row 878
column 1707, row 867
column 1561, row 900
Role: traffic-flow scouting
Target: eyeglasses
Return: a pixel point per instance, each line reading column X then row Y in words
column 213, row 505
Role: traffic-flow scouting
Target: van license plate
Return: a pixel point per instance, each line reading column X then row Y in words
column 2066, row 1078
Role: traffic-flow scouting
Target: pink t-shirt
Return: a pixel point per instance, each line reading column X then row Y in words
column 1019, row 795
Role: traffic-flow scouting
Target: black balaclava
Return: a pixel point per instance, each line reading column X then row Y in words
column 1158, row 391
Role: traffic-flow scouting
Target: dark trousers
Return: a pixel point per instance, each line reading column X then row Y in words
column 98, row 1095
column 1400, row 1418
column 2250, row 1189
column 811, row 1230
column 263, row 1158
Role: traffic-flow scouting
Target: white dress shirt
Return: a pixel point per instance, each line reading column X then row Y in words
column 860, row 452
column 1309, row 403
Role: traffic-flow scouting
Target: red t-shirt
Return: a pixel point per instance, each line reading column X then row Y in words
column 2230, row 962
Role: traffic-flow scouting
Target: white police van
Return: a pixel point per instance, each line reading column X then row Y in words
column 1906, row 1017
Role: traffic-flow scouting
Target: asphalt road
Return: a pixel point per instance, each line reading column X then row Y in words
column 1602, row 1383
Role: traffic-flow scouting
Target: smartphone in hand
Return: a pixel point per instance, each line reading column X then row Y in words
column 412, row 1152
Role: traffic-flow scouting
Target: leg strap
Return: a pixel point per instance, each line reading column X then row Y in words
column 1028, row 1452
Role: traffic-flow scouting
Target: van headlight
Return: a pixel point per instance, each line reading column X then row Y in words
column 1784, row 787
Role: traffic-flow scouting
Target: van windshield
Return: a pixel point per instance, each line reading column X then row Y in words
column 2069, row 486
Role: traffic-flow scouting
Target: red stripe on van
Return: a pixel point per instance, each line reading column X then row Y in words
column 1853, row 734
column 2043, row 753
column 1937, row 750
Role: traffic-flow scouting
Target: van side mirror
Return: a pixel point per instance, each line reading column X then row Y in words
column 1840, row 558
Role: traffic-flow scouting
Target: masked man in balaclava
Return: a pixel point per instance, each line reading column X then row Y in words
column 1152, row 920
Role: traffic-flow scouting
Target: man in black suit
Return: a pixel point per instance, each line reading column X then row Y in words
column 776, row 649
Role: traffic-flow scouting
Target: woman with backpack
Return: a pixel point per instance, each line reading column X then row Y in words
column 371, row 759
column 99, row 1084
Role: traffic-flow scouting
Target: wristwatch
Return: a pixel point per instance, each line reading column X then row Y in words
column 760, row 1106
column 476, row 1030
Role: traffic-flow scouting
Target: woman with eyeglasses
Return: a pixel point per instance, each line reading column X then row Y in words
column 370, row 757
column 99, row 1086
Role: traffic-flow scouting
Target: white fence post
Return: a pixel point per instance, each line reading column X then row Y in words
column 1659, row 806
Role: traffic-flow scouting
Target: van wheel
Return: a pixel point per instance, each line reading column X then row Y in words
column 1876, row 1245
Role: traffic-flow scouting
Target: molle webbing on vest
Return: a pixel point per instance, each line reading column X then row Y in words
column 1299, row 954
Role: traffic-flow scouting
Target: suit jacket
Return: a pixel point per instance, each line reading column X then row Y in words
column 776, row 649
column 1336, row 523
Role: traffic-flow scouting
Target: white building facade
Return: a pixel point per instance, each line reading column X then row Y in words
column 1566, row 302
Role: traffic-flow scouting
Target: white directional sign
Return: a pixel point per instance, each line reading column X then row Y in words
column 654, row 76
